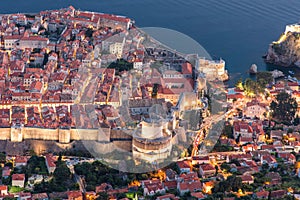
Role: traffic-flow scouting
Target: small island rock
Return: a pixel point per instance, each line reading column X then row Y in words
column 253, row 69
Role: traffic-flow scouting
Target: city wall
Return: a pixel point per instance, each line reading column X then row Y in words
column 64, row 136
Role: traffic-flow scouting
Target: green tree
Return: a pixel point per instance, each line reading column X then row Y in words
column 15, row 189
column 155, row 90
column 2, row 157
column 121, row 195
column 246, row 197
column 233, row 183
column 217, row 169
column 9, row 198
column 97, row 173
column 228, row 130
column 239, row 84
column 225, row 166
column 36, row 165
column 252, row 88
column 284, row 107
column 264, row 78
column 174, row 167
column 103, row 196
column 61, row 173
column 297, row 120
column 121, row 65
column 6, row 181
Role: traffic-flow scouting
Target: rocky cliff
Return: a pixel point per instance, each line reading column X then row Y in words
column 286, row 51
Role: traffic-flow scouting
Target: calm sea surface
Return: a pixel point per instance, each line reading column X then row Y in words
column 239, row 31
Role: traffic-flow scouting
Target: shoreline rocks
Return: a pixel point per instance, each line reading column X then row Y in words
column 285, row 53
column 277, row 73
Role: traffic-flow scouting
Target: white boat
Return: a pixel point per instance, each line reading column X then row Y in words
column 291, row 72
column 292, row 79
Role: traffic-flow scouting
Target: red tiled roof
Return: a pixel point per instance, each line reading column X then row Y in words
column 12, row 37
column 207, row 167
column 50, row 160
column 247, row 178
column 277, row 194
column 235, row 96
column 103, row 187
column 6, row 171
column 154, row 186
column 279, row 86
column 287, row 156
column 246, row 139
column 236, row 89
column 255, row 102
column 116, row 191
column 170, row 184
column 40, row 196
column 238, row 125
column 240, row 156
column 187, row 68
column 113, row 17
column 267, row 147
column 206, row 158
column 262, row 194
column 21, row 159
column 18, row 177
column 198, row 195
column 293, row 84
column 183, row 164
column 296, row 93
column 25, row 194
column 193, row 176
column 34, row 38
column 3, row 187
column 269, row 159
column 74, row 194
column 166, row 196
column 191, row 186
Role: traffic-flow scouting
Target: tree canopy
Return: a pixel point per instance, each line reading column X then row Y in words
column 36, row 165
column 253, row 88
column 284, row 107
column 233, row 183
column 61, row 173
column 2, row 157
column 121, row 65
column 62, row 180
column 96, row 173
column 264, row 78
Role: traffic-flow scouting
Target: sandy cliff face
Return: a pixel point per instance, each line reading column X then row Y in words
column 286, row 51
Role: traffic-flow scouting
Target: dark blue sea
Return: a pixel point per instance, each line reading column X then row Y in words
column 239, row 31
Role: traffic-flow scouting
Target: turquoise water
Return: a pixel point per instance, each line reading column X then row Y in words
column 239, row 31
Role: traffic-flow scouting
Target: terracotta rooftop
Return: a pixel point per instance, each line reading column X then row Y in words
column 262, row 194
column 74, row 194
column 21, row 159
column 190, row 186
column 207, row 167
column 3, row 187
column 50, row 160
column 18, row 177
column 183, row 164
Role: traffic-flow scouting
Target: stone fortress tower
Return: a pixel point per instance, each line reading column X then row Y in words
column 152, row 140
